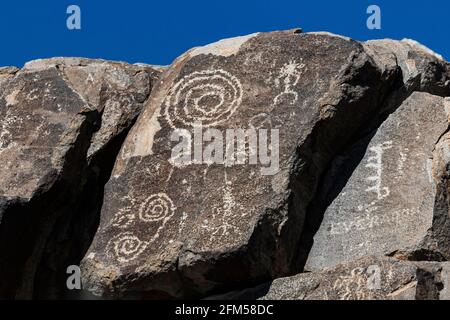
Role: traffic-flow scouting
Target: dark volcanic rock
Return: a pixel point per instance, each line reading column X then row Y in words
column 371, row 278
column 396, row 200
column 60, row 123
column 171, row 230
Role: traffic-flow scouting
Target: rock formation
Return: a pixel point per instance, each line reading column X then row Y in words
column 253, row 161
column 395, row 202
column 62, row 122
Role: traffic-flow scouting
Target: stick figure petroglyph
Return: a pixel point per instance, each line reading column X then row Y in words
column 288, row 78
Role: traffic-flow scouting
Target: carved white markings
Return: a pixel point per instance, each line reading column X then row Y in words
column 126, row 247
column 401, row 161
column 376, row 162
column 288, row 78
column 356, row 285
column 223, row 224
column 123, row 219
column 210, row 97
column 261, row 120
column 157, row 207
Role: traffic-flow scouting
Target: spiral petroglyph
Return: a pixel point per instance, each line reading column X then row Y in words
column 210, row 97
column 157, row 207
column 126, row 247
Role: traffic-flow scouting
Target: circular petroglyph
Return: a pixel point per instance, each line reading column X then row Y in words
column 210, row 97
column 157, row 207
column 126, row 247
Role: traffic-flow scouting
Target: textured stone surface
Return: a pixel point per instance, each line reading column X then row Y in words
column 362, row 170
column 422, row 69
column 371, row 278
column 395, row 201
column 184, row 231
column 59, row 121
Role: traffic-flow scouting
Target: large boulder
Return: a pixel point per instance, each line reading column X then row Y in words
column 186, row 224
column 60, row 123
column 396, row 200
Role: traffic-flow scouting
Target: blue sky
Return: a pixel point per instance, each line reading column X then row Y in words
column 156, row 32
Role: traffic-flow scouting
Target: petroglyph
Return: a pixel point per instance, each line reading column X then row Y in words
column 125, row 247
column 359, row 284
column 210, row 97
column 376, row 162
column 401, row 161
column 182, row 224
column 224, row 222
column 124, row 218
column 155, row 208
column 352, row 286
column 288, row 78
column 371, row 220
column 261, row 120
column 389, row 202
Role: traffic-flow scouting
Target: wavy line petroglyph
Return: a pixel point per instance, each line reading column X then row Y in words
column 124, row 218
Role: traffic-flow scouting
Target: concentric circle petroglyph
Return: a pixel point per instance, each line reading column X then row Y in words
column 210, row 97
column 157, row 207
column 126, row 247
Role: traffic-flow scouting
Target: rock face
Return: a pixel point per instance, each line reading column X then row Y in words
column 395, row 201
column 247, row 163
column 371, row 278
column 61, row 121
column 184, row 230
